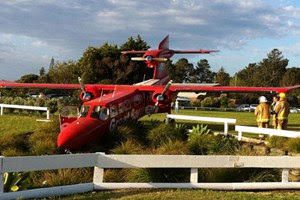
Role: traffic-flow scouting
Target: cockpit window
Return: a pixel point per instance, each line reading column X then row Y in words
column 100, row 113
column 84, row 111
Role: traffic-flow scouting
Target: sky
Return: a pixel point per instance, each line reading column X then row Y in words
column 32, row 32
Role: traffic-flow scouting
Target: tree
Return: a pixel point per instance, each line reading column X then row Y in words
column 202, row 73
column 291, row 77
column 245, row 76
column 270, row 70
column 28, row 78
column 180, row 72
column 64, row 72
column 222, row 77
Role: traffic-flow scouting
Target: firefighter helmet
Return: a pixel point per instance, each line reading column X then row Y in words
column 263, row 99
column 282, row 95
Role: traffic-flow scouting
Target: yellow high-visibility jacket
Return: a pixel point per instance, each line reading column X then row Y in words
column 282, row 110
column 262, row 112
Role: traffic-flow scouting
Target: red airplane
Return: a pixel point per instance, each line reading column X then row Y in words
column 103, row 110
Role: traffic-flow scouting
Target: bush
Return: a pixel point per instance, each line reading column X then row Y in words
column 196, row 103
column 277, row 142
column 163, row 133
column 172, row 147
column 293, row 145
column 128, row 147
column 210, row 102
column 223, row 145
column 62, row 177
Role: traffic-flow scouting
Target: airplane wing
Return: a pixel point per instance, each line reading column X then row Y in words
column 9, row 84
column 233, row 89
column 190, row 88
column 202, row 51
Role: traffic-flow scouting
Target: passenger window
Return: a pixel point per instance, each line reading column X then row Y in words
column 127, row 105
column 121, row 108
column 104, row 113
column 137, row 99
column 84, row 111
column 113, row 111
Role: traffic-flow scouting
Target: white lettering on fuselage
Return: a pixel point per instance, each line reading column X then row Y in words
column 133, row 114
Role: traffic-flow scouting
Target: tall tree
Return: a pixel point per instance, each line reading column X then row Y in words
column 180, row 71
column 202, row 73
column 245, row 76
column 271, row 70
column 222, row 77
column 291, row 77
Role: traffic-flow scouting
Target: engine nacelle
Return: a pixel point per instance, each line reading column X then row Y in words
column 91, row 93
column 157, row 97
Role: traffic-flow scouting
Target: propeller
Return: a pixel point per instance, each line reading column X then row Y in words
column 149, row 59
column 161, row 97
column 86, row 96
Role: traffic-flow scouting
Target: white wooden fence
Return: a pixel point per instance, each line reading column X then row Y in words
column 100, row 162
column 266, row 131
column 226, row 121
column 2, row 106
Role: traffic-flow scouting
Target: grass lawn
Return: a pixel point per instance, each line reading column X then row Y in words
column 15, row 124
column 184, row 194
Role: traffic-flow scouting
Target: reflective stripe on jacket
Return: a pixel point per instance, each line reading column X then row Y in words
column 262, row 112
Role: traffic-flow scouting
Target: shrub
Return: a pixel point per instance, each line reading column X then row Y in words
column 162, row 134
column 277, row 142
column 52, row 105
column 128, row 147
column 16, row 181
column 18, row 142
column 223, row 145
column 159, row 175
column 293, row 145
column 116, row 175
column 172, row 147
column 210, row 102
column 196, row 103
column 62, row 177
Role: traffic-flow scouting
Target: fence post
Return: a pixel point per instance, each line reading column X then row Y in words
column 194, row 175
column 1, row 175
column 285, row 175
column 98, row 172
column 48, row 113
column 1, row 110
column 225, row 128
column 240, row 136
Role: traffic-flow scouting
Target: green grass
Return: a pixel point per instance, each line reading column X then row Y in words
column 184, row 194
column 16, row 124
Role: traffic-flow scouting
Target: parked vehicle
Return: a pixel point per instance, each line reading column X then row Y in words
column 243, row 107
column 294, row 110
column 253, row 107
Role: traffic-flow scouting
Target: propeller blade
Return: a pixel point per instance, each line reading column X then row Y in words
column 138, row 58
column 81, row 85
column 161, row 59
column 167, row 87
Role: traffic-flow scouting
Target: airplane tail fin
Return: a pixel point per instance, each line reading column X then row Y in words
column 160, row 70
column 164, row 44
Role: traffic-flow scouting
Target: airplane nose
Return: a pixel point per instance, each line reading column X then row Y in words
column 78, row 133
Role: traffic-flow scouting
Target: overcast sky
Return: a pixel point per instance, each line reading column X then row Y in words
column 32, row 32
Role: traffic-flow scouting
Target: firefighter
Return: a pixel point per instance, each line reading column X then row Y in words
column 282, row 111
column 262, row 113
column 273, row 107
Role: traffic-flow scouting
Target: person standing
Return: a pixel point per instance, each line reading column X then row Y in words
column 282, row 111
column 273, row 107
column 262, row 113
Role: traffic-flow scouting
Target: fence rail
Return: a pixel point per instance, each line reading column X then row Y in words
column 2, row 106
column 266, row 131
column 101, row 161
column 226, row 121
